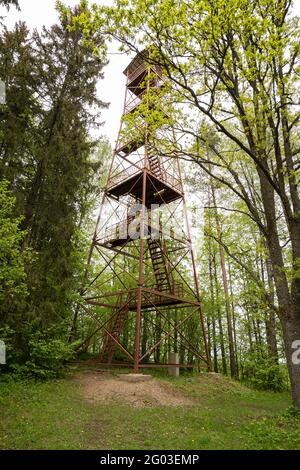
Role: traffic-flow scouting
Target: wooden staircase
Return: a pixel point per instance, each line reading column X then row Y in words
column 115, row 329
column 155, row 166
column 159, row 260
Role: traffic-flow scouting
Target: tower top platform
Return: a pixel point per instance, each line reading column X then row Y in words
column 138, row 60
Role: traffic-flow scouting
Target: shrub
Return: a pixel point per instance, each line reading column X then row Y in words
column 46, row 360
column 265, row 374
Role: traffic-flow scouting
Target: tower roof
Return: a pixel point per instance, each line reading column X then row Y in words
column 138, row 60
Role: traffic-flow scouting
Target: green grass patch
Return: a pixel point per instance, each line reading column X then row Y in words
column 224, row 415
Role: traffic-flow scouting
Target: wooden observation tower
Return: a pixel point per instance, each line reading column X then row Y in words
column 144, row 293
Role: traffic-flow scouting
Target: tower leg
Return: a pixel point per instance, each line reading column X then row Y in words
column 140, row 282
column 138, row 331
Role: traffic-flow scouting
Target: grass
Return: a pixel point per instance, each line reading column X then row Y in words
column 225, row 415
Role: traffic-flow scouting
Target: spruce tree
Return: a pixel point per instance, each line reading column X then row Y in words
column 68, row 71
column 50, row 160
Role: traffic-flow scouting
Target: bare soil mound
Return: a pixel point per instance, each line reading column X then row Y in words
column 103, row 387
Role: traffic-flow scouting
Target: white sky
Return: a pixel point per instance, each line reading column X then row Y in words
column 37, row 13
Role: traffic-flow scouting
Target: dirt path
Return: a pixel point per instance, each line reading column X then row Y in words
column 103, row 387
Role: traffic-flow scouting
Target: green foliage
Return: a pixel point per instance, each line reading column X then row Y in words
column 13, row 285
column 58, row 201
column 264, row 374
column 12, row 257
column 291, row 412
column 280, row 432
column 52, row 166
column 46, row 359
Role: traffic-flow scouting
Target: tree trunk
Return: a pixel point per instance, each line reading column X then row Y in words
column 233, row 320
column 291, row 337
column 213, row 303
column 216, row 367
column 232, row 356
column 249, row 332
column 233, row 368
column 271, row 319
column 221, row 333
column 256, row 336
column 289, row 305
column 208, row 332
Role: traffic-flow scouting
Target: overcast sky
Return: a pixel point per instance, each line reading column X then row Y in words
column 37, row 13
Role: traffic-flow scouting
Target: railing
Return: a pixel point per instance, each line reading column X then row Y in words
column 136, row 168
column 137, row 137
column 126, row 174
column 137, row 100
column 142, row 68
column 172, row 181
column 176, row 289
column 120, row 230
column 133, row 104
column 153, row 298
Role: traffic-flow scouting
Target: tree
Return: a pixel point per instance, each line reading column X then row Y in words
column 19, row 116
column 56, row 200
column 50, row 160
